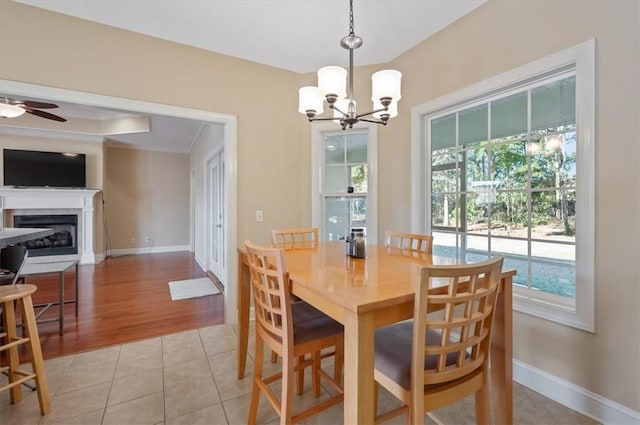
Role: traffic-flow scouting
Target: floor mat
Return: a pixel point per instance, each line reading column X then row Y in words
column 192, row 288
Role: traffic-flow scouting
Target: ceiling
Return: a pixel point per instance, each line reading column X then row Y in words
column 278, row 33
column 127, row 129
column 298, row 35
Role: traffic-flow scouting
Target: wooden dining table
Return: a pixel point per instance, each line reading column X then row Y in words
column 367, row 293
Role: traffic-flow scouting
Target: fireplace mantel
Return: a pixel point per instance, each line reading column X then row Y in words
column 30, row 200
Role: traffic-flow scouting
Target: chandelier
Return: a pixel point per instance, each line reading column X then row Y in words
column 332, row 88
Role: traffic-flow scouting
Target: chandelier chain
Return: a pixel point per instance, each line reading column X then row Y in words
column 351, row 30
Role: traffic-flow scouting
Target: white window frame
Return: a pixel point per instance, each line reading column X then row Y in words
column 317, row 131
column 582, row 58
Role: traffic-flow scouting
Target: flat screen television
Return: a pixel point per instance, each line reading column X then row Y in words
column 44, row 169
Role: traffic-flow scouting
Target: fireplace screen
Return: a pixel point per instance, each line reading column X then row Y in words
column 62, row 242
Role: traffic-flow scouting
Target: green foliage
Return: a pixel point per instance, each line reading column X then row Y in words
column 359, row 177
column 535, row 173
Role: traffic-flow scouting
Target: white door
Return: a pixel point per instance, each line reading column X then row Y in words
column 216, row 241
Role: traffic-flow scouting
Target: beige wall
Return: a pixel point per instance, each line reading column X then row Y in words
column 273, row 147
column 88, row 57
column 146, row 195
column 84, row 56
column 504, row 34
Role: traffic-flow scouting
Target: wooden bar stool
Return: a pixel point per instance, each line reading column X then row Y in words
column 10, row 342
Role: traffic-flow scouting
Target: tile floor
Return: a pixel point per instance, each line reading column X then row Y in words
column 190, row 378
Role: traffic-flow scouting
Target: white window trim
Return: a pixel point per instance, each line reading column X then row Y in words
column 582, row 56
column 317, row 130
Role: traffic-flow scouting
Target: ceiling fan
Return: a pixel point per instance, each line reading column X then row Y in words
column 10, row 108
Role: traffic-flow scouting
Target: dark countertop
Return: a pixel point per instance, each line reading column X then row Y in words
column 13, row 235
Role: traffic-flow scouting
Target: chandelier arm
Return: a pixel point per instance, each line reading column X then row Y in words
column 373, row 121
column 372, row 112
column 325, row 119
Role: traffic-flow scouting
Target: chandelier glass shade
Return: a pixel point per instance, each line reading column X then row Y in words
column 335, row 86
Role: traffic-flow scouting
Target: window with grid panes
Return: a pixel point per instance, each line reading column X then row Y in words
column 508, row 165
column 503, row 182
column 345, row 183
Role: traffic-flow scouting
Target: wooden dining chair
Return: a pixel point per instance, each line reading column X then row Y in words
column 279, row 326
column 291, row 239
column 409, row 241
column 302, row 238
column 442, row 355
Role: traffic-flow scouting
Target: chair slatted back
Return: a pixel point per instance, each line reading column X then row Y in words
column 303, row 238
column 409, row 241
column 271, row 293
column 462, row 312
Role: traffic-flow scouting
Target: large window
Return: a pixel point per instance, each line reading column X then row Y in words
column 509, row 171
column 500, row 185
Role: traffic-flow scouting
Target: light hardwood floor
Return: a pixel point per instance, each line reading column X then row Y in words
column 124, row 299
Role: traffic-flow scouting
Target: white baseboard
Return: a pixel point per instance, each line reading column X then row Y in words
column 148, row 250
column 574, row 397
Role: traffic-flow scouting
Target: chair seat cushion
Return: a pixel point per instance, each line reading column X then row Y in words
column 393, row 352
column 310, row 325
column 302, row 312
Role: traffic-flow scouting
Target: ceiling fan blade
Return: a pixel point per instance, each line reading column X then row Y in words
column 37, row 105
column 46, row 115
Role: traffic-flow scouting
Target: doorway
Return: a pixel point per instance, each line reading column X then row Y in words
column 229, row 125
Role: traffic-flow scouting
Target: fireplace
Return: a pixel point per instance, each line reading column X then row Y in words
column 63, row 241
column 47, row 201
